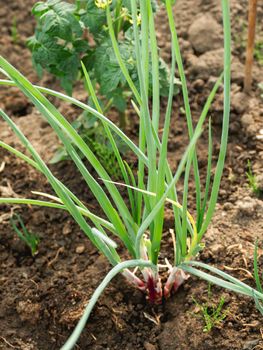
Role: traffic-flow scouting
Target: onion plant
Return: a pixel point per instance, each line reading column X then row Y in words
column 138, row 222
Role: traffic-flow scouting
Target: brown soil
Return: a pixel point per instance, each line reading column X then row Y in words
column 43, row 297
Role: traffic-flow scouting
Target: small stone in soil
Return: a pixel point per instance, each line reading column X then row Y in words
column 5, row 133
column 237, row 71
column 205, row 34
column 248, row 206
column 208, row 64
column 28, row 311
column 67, row 228
column 198, row 84
column 246, row 120
column 249, row 124
column 227, row 206
column 222, row 192
column 239, row 102
column 216, row 248
column 149, row 346
column 80, row 249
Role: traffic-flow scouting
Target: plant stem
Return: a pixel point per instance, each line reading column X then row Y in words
column 252, row 16
column 122, row 120
column 225, row 126
column 117, row 24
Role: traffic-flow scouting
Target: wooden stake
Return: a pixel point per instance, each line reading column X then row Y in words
column 252, row 17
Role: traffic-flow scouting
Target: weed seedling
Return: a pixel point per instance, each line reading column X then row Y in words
column 252, row 181
column 29, row 238
column 213, row 314
column 14, row 31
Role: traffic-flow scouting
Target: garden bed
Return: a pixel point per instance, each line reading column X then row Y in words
column 43, row 297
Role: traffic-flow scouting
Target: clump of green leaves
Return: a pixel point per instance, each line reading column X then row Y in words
column 29, row 238
column 68, row 33
column 252, row 180
column 212, row 313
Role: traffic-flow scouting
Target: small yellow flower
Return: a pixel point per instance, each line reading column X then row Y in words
column 102, row 4
column 139, row 20
column 124, row 13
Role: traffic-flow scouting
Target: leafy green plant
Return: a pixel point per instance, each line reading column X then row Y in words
column 68, row 33
column 213, row 314
column 29, row 238
column 252, row 180
column 137, row 222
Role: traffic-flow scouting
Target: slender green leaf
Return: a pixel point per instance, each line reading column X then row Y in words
column 225, row 127
column 208, row 175
column 179, row 62
column 256, row 270
column 108, row 133
column 158, row 206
